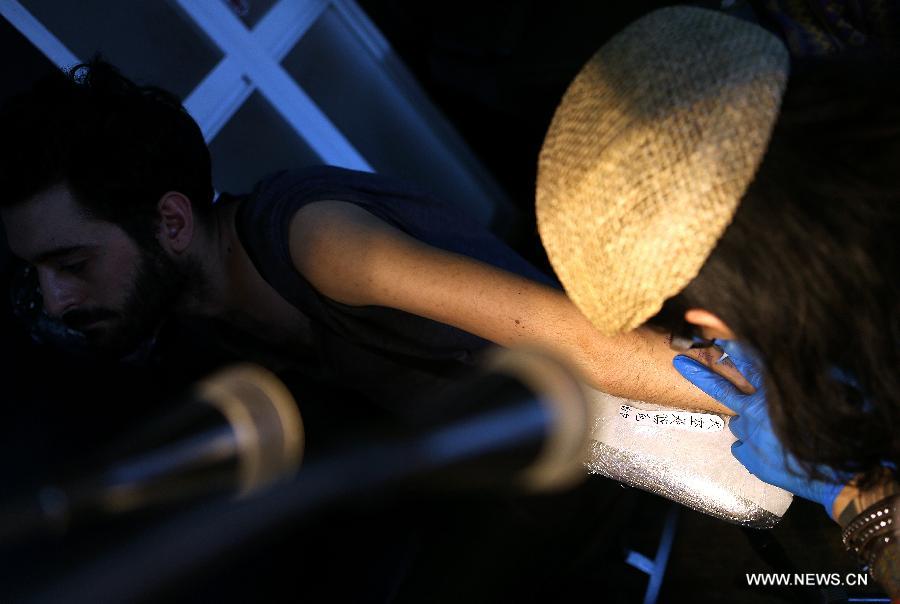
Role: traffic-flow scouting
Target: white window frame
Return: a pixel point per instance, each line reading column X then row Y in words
column 251, row 63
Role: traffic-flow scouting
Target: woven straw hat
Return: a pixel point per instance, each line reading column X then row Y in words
column 649, row 154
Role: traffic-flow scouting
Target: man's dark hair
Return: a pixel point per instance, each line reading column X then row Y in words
column 808, row 272
column 117, row 145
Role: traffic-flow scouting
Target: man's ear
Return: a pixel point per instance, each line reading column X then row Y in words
column 711, row 326
column 176, row 222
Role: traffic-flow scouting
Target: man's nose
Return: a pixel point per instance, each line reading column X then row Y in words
column 60, row 293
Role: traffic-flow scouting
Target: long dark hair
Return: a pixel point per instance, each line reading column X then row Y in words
column 808, row 273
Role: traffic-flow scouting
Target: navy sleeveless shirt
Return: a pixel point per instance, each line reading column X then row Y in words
column 388, row 356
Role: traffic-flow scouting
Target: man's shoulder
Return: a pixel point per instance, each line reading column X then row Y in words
column 279, row 195
column 319, row 175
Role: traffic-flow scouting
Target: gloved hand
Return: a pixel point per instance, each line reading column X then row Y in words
column 757, row 447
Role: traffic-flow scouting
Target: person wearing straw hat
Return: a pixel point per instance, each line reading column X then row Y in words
column 693, row 180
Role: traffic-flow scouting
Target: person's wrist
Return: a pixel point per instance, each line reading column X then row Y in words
column 844, row 498
column 852, row 500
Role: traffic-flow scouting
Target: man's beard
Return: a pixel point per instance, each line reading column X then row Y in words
column 158, row 283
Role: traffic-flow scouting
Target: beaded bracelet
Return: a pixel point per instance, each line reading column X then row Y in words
column 872, row 531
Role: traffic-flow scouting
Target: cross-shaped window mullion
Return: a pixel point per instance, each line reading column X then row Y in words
column 249, row 54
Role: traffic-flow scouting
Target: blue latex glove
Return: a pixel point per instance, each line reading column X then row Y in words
column 757, row 447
